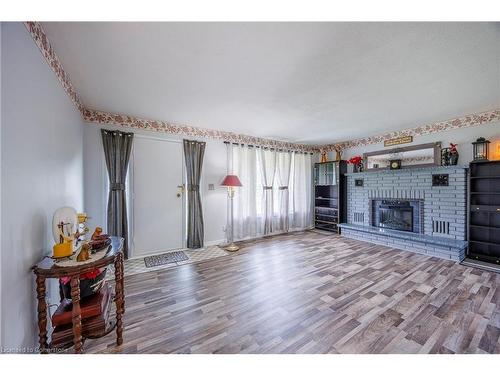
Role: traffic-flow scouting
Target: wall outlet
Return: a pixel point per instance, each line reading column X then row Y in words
column 211, row 187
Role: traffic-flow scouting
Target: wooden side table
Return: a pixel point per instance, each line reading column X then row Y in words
column 47, row 268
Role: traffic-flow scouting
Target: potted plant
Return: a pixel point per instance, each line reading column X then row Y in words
column 453, row 154
column 449, row 155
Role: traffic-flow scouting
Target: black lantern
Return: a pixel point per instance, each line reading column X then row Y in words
column 481, row 149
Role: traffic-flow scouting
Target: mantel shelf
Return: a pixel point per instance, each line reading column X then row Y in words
column 437, row 169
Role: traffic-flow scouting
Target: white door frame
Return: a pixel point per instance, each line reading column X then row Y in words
column 130, row 200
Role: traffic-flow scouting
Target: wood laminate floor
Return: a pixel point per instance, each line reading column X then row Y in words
column 311, row 293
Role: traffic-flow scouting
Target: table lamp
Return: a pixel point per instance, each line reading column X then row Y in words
column 231, row 182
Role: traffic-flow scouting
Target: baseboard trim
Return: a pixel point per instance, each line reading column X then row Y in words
column 215, row 242
column 272, row 234
column 221, row 242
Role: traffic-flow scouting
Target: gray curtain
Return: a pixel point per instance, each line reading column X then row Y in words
column 117, row 146
column 193, row 154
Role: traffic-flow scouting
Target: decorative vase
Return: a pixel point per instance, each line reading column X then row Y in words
column 324, row 157
column 338, row 155
column 445, row 156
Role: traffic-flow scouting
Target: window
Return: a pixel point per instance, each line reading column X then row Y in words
column 291, row 206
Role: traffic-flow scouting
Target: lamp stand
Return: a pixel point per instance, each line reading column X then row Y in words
column 232, row 246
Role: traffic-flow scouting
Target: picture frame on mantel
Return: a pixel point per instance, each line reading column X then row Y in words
column 415, row 156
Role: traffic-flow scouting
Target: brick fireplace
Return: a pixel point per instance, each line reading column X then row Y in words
column 409, row 210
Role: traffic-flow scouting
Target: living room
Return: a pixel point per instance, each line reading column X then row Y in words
column 246, row 187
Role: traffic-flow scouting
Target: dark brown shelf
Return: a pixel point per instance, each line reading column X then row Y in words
column 325, row 222
column 485, row 208
column 320, row 214
column 484, row 219
column 482, row 257
column 484, row 227
column 328, row 228
column 330, row 200
column 486, row 243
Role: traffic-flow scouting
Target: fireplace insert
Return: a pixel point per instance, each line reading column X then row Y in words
column 396, row 214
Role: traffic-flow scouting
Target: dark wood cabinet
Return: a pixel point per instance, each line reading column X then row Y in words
column 330, row 200
column 484, row 215
column 80, row 329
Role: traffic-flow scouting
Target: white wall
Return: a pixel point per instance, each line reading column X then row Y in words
column 463, row 137
column 214, row 169
column 1, row 335
column 42, row 170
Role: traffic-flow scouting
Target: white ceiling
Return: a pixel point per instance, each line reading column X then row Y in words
column 299, row 82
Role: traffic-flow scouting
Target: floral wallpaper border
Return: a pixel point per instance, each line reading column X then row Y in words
column 436, row 127
column 99, row 117
column 94, row 116
column 38, row 34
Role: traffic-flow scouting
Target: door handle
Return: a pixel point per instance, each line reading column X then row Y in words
column 181, row 190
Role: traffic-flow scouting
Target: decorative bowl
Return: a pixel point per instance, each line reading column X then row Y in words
column 100, row 242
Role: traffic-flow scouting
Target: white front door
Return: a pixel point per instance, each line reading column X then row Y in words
column 157, row 198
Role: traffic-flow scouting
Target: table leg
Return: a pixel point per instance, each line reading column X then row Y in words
column 42, row 313
column 76, row 313
column 119, row 298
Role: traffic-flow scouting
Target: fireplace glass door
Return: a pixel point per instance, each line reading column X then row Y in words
column 396, row 216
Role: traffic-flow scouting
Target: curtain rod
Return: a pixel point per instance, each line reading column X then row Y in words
column 267, row 148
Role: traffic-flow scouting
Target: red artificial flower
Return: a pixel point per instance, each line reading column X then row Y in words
column 355, row 160
column 87, row 275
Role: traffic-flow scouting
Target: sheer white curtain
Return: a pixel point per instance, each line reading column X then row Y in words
column 247, row 217
column 267, row 170
column 283, row 169
column 280, row 209
column 301, row 197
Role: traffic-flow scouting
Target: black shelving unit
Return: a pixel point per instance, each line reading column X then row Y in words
column 484, row 216
column 330, row 199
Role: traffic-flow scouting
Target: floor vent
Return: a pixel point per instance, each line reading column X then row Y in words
column 441, row 226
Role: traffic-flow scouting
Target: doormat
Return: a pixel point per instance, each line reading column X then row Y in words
column 158, row 260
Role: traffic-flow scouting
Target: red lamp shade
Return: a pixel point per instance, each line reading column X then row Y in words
column 231, row 180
